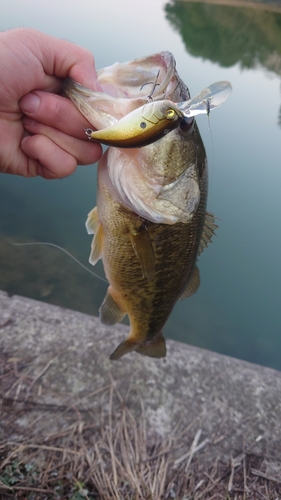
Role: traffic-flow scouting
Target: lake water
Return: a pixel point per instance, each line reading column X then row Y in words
column 237, row 310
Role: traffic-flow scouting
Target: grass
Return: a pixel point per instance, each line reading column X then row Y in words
column 113, row 454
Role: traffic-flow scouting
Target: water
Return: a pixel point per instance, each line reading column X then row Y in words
column 237, row 308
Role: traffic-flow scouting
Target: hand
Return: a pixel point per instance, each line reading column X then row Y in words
column 42, row 133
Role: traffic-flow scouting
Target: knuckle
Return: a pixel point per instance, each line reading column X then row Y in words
column 54, row 107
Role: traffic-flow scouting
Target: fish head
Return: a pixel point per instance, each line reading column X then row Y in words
column 159, row 181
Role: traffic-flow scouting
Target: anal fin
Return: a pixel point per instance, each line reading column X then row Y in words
column 192, row 285
column 208, row 231
column 92, row 221
column 110, row 311
column 144, row 251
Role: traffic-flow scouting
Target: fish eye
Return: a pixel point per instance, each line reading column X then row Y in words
column 186, row 124
column 170, row 114
column 142, row 125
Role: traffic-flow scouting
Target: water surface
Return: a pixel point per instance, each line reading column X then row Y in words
column 237, row 310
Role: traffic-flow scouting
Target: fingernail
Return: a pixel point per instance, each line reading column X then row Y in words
column 24, row 141
column 29, row 103
column 97, row 86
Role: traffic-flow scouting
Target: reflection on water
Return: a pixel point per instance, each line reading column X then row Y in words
column 279, row 115
column 46, row 274
column 237, row 307
column 229, row 35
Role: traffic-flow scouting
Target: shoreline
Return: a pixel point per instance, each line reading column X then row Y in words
column 259, row 5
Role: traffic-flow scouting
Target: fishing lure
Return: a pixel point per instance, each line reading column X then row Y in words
column 141, row 127
column 155, row 119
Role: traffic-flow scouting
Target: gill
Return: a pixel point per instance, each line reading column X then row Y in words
column 59, row 248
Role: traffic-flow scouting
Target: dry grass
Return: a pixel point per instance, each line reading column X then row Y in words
column 112, row 454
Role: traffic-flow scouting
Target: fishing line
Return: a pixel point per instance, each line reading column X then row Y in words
column 59, row 248
column 212, row 170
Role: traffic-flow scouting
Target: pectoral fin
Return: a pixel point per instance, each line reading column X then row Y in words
column 144, row 251
column 192, row 285
column 92, row 221
column 208, row 231
column 110, row 311
column 96, row 247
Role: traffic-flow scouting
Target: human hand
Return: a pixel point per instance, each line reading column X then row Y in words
column 42, row 133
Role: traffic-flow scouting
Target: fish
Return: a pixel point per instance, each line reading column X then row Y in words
column 151, row 223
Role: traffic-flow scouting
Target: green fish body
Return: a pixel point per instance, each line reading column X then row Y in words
column 150, row 223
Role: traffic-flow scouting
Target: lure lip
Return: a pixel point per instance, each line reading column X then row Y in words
column 208, row 99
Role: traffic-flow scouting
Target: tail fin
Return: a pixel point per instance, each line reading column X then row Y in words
column 123, row 348
column 155, row 348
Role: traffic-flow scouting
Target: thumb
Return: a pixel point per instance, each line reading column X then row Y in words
column 61, row 58
column 64, row 59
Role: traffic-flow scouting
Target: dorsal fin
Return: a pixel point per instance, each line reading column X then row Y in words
column 110, row 311
column 92, row 221
column 192, row 285
column 144, row 251
column 208, row 231
column 96, row 247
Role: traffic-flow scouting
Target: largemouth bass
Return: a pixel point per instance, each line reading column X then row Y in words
column 150, row 223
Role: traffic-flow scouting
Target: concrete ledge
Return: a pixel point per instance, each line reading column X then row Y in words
column 60, row 360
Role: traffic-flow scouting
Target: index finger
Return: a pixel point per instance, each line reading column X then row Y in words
column 55, row 111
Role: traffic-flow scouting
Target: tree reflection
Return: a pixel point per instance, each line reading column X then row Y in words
column 229, row 35
column 279, row 117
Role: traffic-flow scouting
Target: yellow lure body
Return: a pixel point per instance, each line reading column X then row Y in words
column 140, row 127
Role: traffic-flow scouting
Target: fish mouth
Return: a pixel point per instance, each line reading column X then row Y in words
column 140, row 78
column 136, row 85
column 126, row 87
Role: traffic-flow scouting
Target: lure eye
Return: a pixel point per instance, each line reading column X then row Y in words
column 170, row 114
column 186, row 124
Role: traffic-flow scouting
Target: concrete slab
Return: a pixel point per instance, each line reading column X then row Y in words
column 55, row 366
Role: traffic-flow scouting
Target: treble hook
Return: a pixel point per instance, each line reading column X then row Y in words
column 149, row 97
